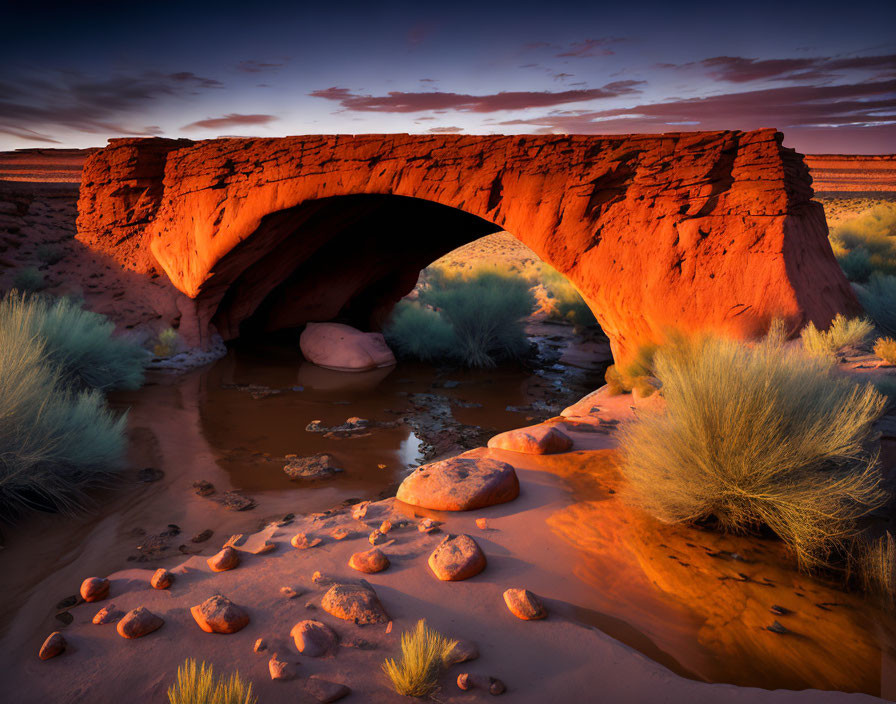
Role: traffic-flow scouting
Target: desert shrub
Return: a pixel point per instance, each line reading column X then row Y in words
column 167, row 343
column 423, row 655
column 878, row 298
column 28, row 279
column 885, row 348
column 49, row 253
column 201, row 686
column 567, row 303
column 54, row 443
column 886, row 386
column 844, row 332
column 874, row 234
column 77, row 341
column 877, row 567
column 420, row 333
column 635, row 373
column 484, row 307
column 754, row 436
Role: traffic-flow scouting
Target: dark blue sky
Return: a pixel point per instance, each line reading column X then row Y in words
column 77, row 73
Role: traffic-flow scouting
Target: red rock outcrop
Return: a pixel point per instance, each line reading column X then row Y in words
column 688, row 231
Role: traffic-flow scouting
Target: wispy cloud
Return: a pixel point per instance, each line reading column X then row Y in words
column 739, row 69
column 231, row 120
column 253, row 66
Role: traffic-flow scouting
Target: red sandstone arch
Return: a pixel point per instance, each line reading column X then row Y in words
column 692, row 230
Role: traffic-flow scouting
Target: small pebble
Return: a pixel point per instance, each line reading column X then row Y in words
column 162, row 579
column 300, row 541
column 225, row 560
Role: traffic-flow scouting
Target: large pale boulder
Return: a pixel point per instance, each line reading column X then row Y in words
column 343, row 348
column 354, row 602
column 462, row 483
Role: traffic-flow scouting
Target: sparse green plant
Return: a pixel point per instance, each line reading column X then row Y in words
column 199, row 685
column 878, row 298
column 754, row 436
column 417, row 332
column 843, row 332
column 54, row 443
column 567, row 303
column 79, row 342
column 873, row 235
column 28, row 280
column 167, row 343
column 49, row 253
column 424, row 654
column 634, row 373
column 885, row 348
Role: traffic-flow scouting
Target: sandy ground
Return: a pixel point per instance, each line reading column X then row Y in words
column 559, row 659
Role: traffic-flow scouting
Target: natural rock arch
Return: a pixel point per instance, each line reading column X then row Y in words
column 699, row 230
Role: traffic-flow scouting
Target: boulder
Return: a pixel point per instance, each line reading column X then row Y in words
column 108, row 614
column 536, row 440
column 319, row 466
column 369, row 561
column 354, row 602
column 94, row 589
column 162, row 579
column 524, row 604
column 456, row 558
column 344, row 348
column 462, row 483
column 226, row 559
column 325, row 691
column 138, row 623
column 54, row 645
column 463, row 651
column 218, row 614
column 281, row 669
column 313, row 638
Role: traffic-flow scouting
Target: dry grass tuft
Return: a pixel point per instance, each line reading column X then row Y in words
column 878, row 568
column 198, row 685
column 757, row 436
column 423, row 655
column 885, row 348
column 844, row 332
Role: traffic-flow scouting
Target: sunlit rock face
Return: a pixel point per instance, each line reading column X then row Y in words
column 699, row 230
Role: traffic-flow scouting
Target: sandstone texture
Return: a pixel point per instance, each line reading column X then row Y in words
column 692, row 231
column 536, row 440
column 841, row 173
column 218, row 614
column 462, row 483
column 354, row 602
column 161, row 579
column 524, row 604
column 456, row 558
column 344, row 348
column 138, row 623
column 108, row 614
column 369, row 561
column 313, row 638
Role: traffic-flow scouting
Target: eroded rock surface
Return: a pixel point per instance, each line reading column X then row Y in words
column 536, row 440
column 354, row 602
column 456, row 558
column 218, row 614
column 461, row 483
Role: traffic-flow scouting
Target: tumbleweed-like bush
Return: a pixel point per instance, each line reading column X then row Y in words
column 417, row 332
column 756, row 436
column 423, row 655
column 79, row 342
column 842, row 333
column 199, row 685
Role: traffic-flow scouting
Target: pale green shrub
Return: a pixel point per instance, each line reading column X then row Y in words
column 843, row 332
column 28, row 280
column 878, row 298
column 167, row 343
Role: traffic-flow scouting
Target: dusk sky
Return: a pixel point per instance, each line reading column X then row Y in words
column 77, row 73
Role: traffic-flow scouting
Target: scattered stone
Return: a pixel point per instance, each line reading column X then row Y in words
column 779, row 610
column 463, row 651
column 300, row 541
column 291, row 593
column 95, row 589
column 354, row 602
column 225, row 560
column 482, row 523
column 54, row 645
column 313, row 638
column 280, row 669
column 534, row 440
column 464, row 681
column 315, row 426
column 138, row 623
column 319, row 466
column 456, row 558
column 358, row 643
column 235, row 540
column 524, row 604
column 427, row 525
column 260, row 645
column 203, row 536
column 777, row 627
column 369, row 561
column 493, row 685
column 68, row 602
column 324, row 690
column 235, row 501
column 360, row 510
column 344, row 348
column 203, row 488
column 496, row 686
column 461, row 483
column 65, row 617
column 162, row 579
column 218, row 614
column 108, row 614
column 341, row 533
column 148, row 475
column 385, row 527
column 377, row 537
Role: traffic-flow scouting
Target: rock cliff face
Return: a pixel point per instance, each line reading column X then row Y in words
column 699, row 230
